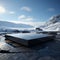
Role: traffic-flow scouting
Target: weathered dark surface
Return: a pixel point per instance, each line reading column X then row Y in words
column 46, row 51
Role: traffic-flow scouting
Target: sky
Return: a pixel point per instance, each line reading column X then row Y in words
column 33, row 12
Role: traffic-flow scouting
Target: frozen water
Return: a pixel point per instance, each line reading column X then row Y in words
column 28, row 36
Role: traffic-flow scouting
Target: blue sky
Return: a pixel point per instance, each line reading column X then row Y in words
column 32, row 12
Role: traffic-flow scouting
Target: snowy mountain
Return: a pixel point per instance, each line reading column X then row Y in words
column 53, row 20
column 5, row 24
column 53, row 24
column 12, row 27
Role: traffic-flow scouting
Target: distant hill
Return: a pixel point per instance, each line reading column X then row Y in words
column 5, row 24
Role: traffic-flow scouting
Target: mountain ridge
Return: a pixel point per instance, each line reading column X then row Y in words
column 14, row 25
column 53, row 24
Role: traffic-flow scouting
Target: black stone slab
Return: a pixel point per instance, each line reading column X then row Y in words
column 29, row 39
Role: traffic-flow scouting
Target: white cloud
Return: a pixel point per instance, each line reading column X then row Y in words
column 29, row 19
column 25, row 8
column 51, row 9
column 25, row 18
column 22, row 17
column 2, row 9
column 11, row 12
column 35, row 24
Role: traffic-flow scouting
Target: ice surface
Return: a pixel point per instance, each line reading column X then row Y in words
column 28, row 36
